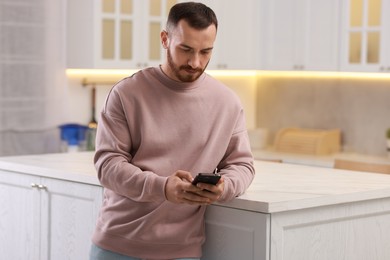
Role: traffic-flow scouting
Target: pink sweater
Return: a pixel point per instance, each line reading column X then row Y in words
column 150, row 127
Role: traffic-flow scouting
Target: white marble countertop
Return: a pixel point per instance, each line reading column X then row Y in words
column 76, row 167
column 281, row 187
column 277, row 186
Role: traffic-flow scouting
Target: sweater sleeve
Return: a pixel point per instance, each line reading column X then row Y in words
column 113, row 157
column 237, row 165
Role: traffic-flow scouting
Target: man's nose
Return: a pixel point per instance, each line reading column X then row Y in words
column 194, row 61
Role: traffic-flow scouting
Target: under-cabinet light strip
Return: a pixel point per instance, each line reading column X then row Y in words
column 117, row 74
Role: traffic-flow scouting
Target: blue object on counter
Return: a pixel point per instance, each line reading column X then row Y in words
column 73, row 134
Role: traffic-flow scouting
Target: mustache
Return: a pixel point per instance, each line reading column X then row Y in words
column 184, row 67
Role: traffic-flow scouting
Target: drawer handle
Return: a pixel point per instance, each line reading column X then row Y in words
column 42, row 187
column 38, row 186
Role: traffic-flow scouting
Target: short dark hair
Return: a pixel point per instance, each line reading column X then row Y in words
column 197, row 15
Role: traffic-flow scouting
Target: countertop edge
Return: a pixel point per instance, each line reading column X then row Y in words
column 49, row 173
column 320, row 201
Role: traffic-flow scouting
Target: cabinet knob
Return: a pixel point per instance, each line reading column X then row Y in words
column 42, row 187
column 38, row 186
column 222, row 66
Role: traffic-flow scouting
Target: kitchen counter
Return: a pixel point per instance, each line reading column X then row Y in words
column 77, row 167
column 299, row 211
column 276, row 187
column 283, row 187
column 295, row 212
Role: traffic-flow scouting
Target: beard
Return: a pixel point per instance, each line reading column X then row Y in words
column 180, row 71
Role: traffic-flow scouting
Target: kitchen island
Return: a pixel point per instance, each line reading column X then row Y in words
column 289, row 212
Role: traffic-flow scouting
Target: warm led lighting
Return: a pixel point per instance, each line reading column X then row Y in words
column 117, row 74
column 98, row 72
column 98, row 76
column 324, row 74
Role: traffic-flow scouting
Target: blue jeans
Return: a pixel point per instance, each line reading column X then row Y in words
column 98, row 253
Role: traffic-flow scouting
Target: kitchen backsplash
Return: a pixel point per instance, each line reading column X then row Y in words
column 359, row 107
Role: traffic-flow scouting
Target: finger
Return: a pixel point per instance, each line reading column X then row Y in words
column 213, row 192
column 195, row 198
column 184, row 175
column 212, row 197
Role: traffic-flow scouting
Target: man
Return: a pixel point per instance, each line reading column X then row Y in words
column 158, row 129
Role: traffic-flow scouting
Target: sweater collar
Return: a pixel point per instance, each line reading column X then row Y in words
column 177, row 85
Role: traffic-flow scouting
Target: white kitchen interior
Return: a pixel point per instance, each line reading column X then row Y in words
column 307, row 64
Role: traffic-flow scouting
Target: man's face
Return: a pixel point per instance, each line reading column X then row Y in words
column 188, row 51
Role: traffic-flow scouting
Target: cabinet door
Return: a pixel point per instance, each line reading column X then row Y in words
column 356, row 230
column 19, row 216
column 299, row 34
column 279, row 33
column 68, row 215
column 321, row 34
column 81, row 40
column 129, row 34
column 233, row 234
column 236, row 43
column 115, row 33
column 365, row 36
column 112, row 34
column 152, row 23
column 385, row 42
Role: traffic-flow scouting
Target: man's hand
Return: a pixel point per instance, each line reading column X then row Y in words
column 179, row 189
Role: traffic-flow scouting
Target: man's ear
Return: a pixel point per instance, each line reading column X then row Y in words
column 164, row 39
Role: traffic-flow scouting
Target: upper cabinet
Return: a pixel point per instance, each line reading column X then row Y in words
column 365, row 36
column 299, row 35
column 126, row 33
column 236, row 44
column 115, row 33
column 316, row 35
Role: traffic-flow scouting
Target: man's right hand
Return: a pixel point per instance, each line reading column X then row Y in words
column 179, row 189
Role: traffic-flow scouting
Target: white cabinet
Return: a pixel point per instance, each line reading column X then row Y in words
column 299, row 34
column 233, row 234
column 357, row 230
column 19, row 217
column 365, row 36
column 43, row 218
column 354, row 230
column 115, row 33
column 237, row 37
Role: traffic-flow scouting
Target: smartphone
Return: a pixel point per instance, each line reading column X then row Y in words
column 209, row 178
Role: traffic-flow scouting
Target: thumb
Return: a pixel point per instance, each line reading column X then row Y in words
column 184, row 175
